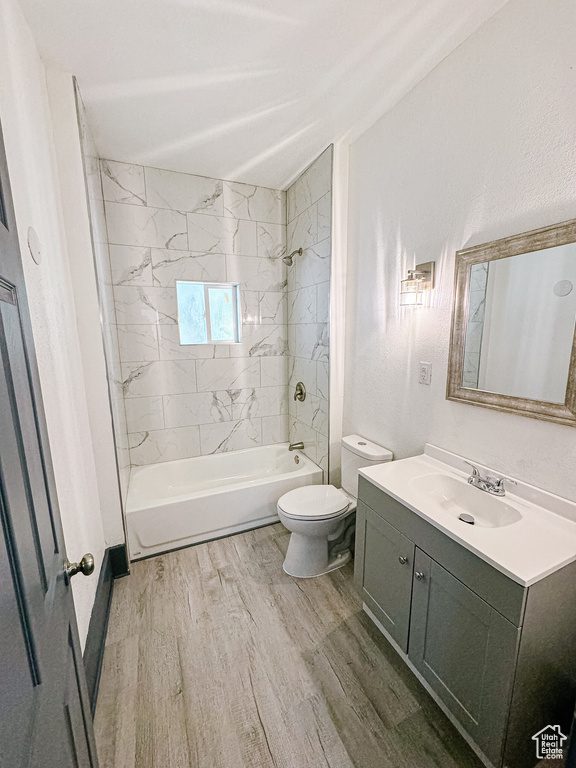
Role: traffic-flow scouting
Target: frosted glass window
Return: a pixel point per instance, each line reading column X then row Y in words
column 208, row 312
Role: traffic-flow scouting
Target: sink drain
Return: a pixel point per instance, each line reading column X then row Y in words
column 466, row 518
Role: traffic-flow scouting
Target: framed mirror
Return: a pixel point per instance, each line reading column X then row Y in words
column 513, row 342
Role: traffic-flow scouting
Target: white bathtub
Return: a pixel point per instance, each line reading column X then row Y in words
column 177, row 503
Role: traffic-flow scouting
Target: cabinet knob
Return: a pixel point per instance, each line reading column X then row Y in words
column 419, row 575
column 403, row 560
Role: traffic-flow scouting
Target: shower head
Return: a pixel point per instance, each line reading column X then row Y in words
column 290, row 259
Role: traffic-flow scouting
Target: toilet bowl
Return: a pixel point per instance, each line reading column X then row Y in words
column 321, row 517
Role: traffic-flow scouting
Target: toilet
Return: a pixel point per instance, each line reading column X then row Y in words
column 320, row 517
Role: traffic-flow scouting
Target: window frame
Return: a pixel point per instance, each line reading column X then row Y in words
column 236, row 304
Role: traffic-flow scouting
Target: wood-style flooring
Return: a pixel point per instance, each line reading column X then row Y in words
column 215, row 658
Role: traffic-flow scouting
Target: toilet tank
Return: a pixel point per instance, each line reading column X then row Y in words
column 356, row 454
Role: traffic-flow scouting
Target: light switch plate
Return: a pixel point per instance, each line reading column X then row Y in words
column 425, row 376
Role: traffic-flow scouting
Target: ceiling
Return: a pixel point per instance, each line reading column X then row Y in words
column 249, row 90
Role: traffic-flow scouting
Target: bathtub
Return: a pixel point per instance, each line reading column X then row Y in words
column 177, row 503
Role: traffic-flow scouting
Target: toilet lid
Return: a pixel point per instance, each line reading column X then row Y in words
column 314, row 501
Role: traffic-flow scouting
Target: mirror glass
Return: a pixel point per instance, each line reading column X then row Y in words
column 520, row 324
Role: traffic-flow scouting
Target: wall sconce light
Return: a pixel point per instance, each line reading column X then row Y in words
column 419, row 280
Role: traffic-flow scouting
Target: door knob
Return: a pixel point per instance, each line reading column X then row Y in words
column 419, row 575
column 85, row 566
column 403, row 560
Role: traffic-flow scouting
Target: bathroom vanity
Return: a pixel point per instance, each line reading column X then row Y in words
column 484, row 614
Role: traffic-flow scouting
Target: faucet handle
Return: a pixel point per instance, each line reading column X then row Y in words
column 499, row 482
column 475, row 470
column 300, row 392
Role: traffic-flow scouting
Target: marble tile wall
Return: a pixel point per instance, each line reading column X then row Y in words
column 475, row 328
column 106, row 298
column 184, row 401
column 309, row 206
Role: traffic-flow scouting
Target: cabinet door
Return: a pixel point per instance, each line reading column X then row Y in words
column 465, row 650
column 383, row 572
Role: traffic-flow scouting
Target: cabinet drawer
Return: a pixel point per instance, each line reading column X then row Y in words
column 498, row 590
column 466, row 652
column 383, row 572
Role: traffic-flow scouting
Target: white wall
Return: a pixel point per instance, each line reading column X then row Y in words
column 103, row 274
column 482, row 148
column 25, row 117
column 309, row 226
column 76, row 219
column 338, row 274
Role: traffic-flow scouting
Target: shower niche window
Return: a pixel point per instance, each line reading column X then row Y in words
column 208, row 313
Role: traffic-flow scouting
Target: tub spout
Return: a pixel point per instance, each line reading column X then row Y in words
column 296, row 447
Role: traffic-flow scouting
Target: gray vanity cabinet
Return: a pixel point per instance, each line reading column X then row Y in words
column 384, row 563
column 465, row 650
column 501, row 657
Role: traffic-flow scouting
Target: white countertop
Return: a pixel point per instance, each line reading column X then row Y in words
column 541, row 542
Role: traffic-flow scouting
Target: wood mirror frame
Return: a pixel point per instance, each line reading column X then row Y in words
column 537, row 239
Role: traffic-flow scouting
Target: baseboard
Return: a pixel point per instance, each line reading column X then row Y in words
column 114, row 565
column 119, row 560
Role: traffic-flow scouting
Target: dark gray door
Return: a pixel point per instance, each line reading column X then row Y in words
column 44, row 713
column 465, row 650
column 383, row 572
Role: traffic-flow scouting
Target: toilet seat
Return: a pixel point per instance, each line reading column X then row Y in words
column 315, row 502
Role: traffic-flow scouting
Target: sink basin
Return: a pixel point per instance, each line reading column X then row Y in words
column 527, row 535
column 456, row 497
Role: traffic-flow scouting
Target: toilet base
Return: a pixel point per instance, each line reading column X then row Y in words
column 333, row 565
column 308, row 557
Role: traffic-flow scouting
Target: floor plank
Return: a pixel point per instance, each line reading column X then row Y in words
column 215, row 658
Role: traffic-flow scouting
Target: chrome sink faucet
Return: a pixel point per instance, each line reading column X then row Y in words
column 493, row 485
